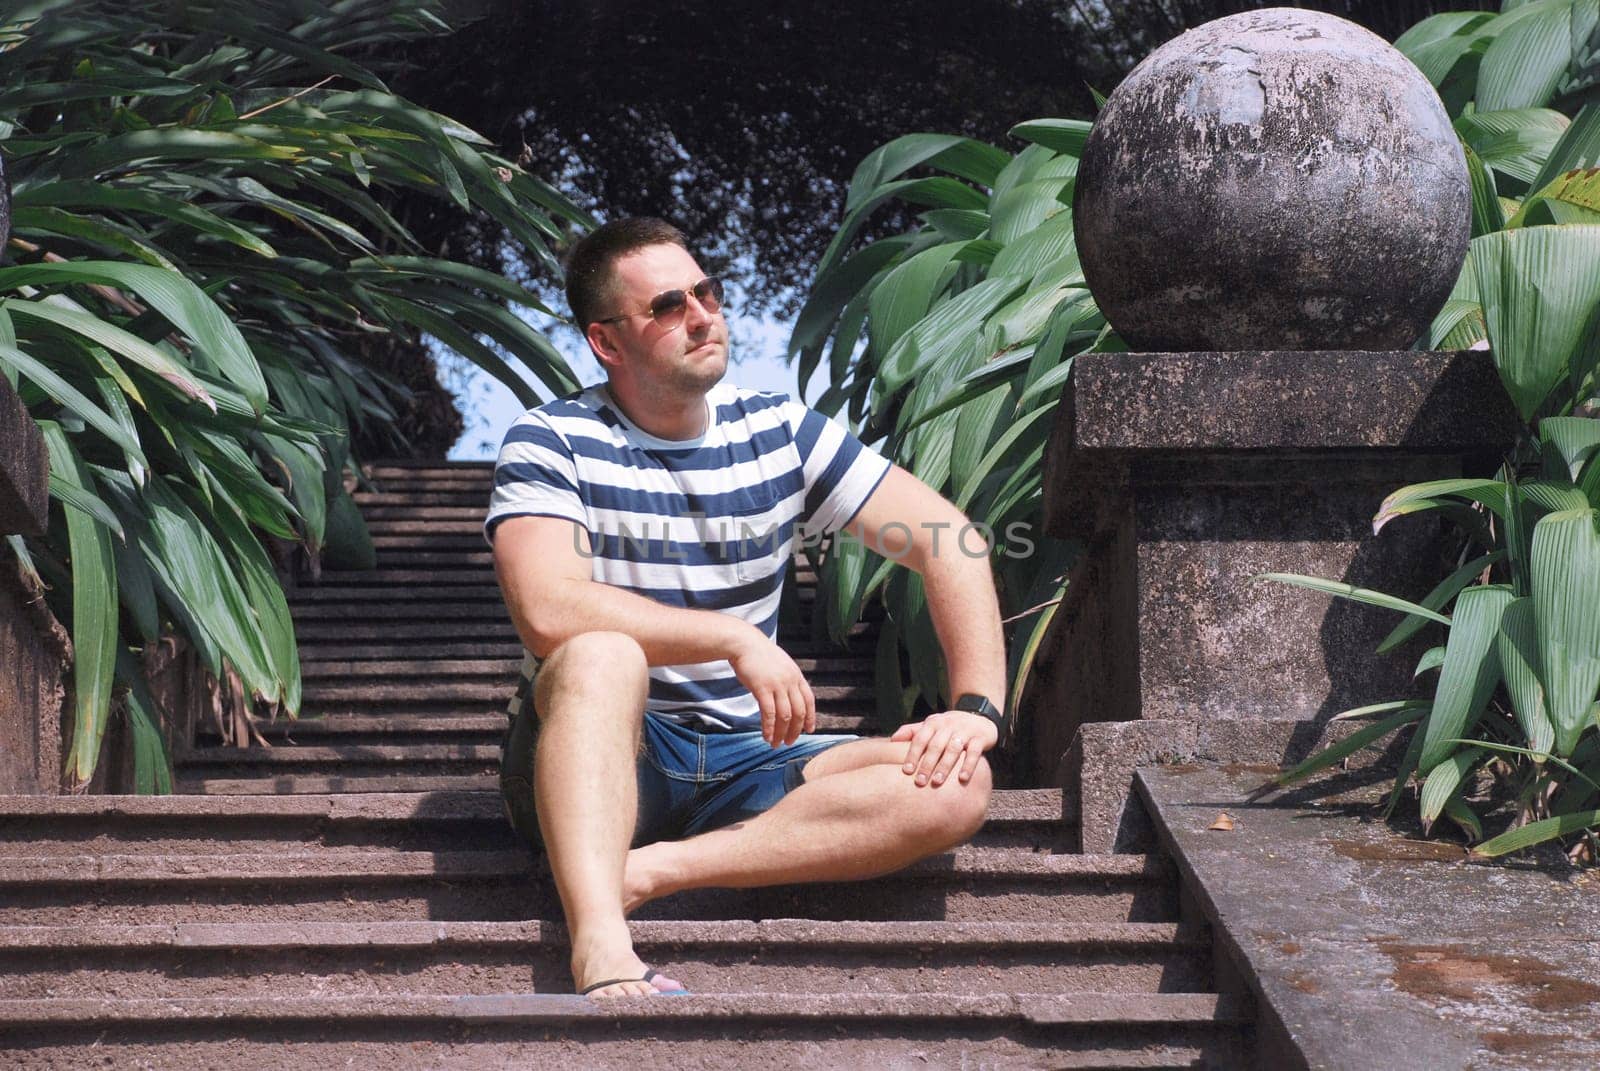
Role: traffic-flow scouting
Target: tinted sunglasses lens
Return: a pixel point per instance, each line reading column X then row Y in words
column 667, row 307
column 708, row 292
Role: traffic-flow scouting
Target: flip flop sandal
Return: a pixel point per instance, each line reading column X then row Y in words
column 650, row 975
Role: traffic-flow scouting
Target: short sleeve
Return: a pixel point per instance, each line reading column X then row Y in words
column 534, row 476
column 841, row 471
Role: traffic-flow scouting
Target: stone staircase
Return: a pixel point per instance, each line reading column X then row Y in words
column 352, row 895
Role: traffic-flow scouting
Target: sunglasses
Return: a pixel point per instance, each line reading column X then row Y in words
column 667, row 308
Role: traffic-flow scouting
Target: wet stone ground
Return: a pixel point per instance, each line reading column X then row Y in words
column 1375, row 947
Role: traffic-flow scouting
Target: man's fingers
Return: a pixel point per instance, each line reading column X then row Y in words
column 969, row 763
column 811, row 705
column 769, row 715
column 797, row 714
column 934, row 752
column 919, row 745
column 952, row 754
column 780, row 730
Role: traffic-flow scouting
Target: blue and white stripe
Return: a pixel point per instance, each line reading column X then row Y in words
column 707, row 523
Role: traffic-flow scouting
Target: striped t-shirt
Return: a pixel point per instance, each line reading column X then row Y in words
column 708, row 523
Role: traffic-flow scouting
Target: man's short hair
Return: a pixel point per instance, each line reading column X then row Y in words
column 590, row 281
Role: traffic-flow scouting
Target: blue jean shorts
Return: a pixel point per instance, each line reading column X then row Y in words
column 689, row 781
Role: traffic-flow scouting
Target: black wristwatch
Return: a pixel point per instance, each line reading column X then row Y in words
column 980, row 704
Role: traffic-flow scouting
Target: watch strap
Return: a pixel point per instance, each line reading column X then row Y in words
column 983, row 706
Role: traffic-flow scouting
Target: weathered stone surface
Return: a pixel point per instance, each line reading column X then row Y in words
column 1098, row 770
column 34, row 650
column 1367, row 948
column 24, row 468
column 1188, row 476
column 1274, row 179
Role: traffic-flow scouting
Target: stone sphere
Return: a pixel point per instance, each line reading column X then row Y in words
column 1275, row 180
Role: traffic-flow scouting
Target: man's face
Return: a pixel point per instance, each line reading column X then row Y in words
column 690, row 357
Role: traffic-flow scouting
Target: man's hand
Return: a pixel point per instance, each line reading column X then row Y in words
column 940, row 741
column 788, row 708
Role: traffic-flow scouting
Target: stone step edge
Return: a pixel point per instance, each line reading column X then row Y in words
column 1005, row 805
column 1042, row 1009
column 789, row 933
column 378, row 864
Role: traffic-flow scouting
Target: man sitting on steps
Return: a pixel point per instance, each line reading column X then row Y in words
column 641, row 530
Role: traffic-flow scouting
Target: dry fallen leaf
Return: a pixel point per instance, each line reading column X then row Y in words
column 1223, row 822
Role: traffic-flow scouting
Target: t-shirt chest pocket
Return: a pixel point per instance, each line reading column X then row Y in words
column 752, row 532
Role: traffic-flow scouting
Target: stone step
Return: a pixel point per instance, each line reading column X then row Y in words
column 431, row 594
column 358, row 653
column 509, row 663
column 713, row 1031
column 234, row 959
column 833, row 695
column 343, row 760
column 452, row 572
column 794, row 638
column 1033, row 820
column 383, row 726
column 378, row 884
column 414, row 495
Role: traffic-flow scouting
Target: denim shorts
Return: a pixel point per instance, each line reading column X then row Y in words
column 689, row 781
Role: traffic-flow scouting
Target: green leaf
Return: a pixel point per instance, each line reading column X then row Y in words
column 1383, row 708
column 936, row 192
column 1539, row 288
column 964, row 157
column 1443, row 592
column 1565, row 578
column 836, row 287
column 1517, row 647
column 908, row 290
column 1528, row 60
column 1457, row 811
column 1486, row 214
column 1058, row 135
column 1432, row 658
column 73, row 399
column 185, row 305
column 1490, row 493
column 1513, row 143
column 202, row 583
column 1573, row 197
column 1537, row 833
column 1350, row 591
column 1578, row 149
column 1553, row 496
column 1572, row 439
column 152, row 766
column 1469, row 674
column 1443, row 784
column 1346, row 747
column 945, row 330
column 112, row 338
column 94, row 614
column 81, row 195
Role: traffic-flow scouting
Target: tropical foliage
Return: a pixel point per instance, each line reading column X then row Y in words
column 1519, row 667
column 950, row 344
column 201, row 249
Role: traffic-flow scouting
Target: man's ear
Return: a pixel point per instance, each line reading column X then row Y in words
column 603, row 344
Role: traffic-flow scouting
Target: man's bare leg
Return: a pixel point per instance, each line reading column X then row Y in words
column 590, row 697
column 858, row 815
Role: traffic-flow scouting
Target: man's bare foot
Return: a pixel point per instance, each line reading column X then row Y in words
column 603, row 957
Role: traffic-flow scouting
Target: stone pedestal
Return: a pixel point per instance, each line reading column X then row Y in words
column 1188, row 474
column 33, row 646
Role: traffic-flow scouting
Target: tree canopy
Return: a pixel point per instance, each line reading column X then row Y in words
column 742, row 121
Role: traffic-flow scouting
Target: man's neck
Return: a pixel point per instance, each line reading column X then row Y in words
column 673, row 419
